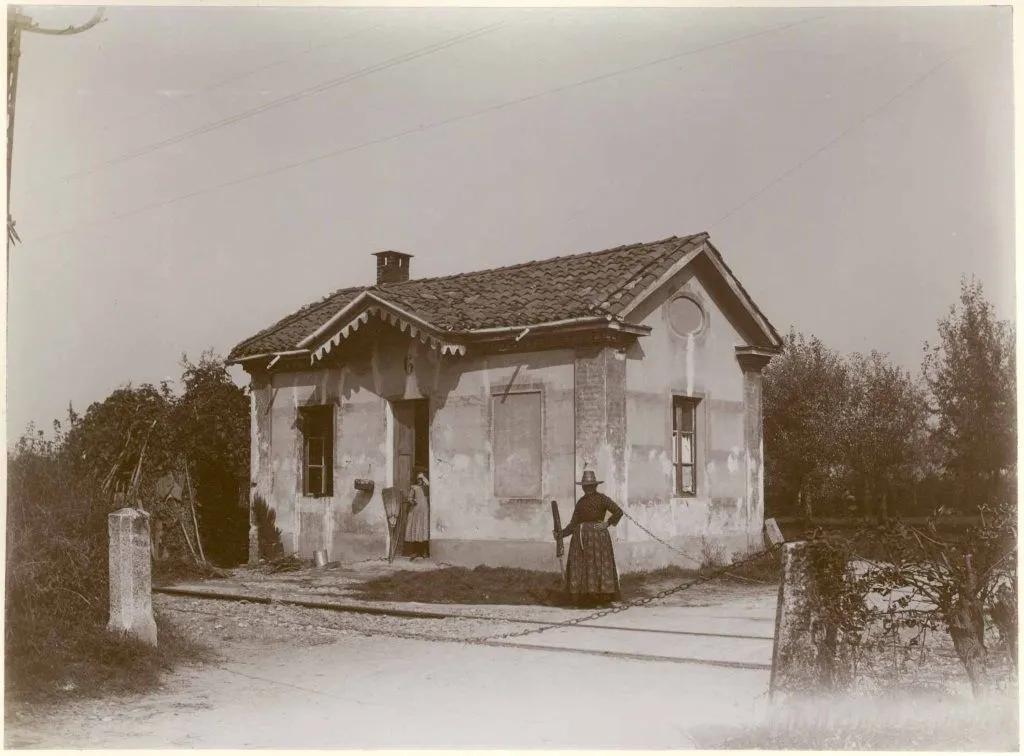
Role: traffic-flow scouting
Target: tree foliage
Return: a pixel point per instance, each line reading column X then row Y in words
column 859, row 433
column 971, row 375
column 805, row 390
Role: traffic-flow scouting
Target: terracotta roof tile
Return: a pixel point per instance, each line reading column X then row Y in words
column 559, row 288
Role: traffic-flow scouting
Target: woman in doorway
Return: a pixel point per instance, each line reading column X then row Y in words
column 590, row 575
column 417, row 529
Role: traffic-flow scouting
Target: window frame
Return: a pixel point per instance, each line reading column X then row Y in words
column 685, row 404
column 317, row 423
column 696, row 301
column 498, row 396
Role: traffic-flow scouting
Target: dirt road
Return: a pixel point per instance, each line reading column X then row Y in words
column 294, row 678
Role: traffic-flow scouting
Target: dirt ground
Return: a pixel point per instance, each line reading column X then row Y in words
column 689, row 671
column 307, row 670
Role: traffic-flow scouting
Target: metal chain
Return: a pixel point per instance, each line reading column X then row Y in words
column 486, row 640
column 666, row 544
column 683, row 554
column 631, row 604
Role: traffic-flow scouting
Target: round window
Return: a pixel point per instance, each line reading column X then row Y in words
column 685, row 316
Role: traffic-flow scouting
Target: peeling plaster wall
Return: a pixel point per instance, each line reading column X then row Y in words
column 604, row 407
column 704, row 366
column 467, row 514
column 466, row 517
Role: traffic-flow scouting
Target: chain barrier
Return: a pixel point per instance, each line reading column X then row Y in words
column 683, row 554
column 706, row 578
column 615, row 609
column 576, row 621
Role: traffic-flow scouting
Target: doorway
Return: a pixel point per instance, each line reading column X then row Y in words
column 411, row 452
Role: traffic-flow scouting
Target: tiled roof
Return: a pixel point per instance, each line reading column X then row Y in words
column 289, row 331
column 559, row 288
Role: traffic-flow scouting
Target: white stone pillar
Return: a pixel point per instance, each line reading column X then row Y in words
column 131, row 599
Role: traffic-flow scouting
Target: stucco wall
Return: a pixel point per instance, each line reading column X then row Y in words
column 703, row 366
column 466, row 517
column 600, row 406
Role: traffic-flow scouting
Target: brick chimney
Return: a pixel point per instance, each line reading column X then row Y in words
column 392, row 267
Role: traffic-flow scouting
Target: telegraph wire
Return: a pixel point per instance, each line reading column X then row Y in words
column 850, row 129
column 224, row 82
column 286, row 100
column 422, row 128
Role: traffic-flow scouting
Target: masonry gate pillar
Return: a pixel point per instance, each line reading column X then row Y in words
column 131, row 599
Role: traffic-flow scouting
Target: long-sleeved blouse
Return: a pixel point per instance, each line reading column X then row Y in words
column 592, row 507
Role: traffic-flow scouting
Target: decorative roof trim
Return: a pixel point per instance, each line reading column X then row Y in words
column 416, row 328
column 334, row 320
column 350, row 318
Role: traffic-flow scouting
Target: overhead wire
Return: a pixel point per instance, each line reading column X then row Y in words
column 118, row 122
column 422, row 128
column 281, row 101
column 853, row 127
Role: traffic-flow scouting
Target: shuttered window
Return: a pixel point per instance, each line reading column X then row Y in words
column 516, row 445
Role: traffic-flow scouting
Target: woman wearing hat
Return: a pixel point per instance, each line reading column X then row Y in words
column 590, row 574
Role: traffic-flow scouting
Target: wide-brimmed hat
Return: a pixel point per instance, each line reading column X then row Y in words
column 589, row 479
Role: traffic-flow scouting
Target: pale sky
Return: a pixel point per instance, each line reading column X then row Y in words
column 185, row 176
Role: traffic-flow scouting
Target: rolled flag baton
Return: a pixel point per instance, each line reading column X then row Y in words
column 559, row 548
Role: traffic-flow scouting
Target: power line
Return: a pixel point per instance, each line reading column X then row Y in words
column 427, row 127
column 845, row 132
column 222, row 83
column 286, row 100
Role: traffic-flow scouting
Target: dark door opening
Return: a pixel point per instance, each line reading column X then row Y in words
column 412, row 454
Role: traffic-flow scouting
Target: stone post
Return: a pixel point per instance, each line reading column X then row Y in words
column 802, row 662
column 131, row 600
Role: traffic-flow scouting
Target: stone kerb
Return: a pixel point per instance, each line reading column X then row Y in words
column 131, row 599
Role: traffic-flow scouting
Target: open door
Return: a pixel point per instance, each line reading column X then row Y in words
column 411, row 450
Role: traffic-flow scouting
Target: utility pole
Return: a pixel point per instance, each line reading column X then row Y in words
column 18, row 22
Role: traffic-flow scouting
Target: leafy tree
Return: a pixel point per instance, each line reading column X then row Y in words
column 805, row 390
column 211, row 427
column 884, row 430
column 971, row 376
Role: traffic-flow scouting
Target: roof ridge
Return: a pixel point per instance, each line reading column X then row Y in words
column 683, row 243
column 620, row 248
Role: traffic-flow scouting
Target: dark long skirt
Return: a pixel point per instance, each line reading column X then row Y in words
column 590, row 573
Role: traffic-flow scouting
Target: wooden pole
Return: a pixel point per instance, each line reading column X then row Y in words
column 192, row 507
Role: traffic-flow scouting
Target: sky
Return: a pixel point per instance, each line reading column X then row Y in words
column 183, row 177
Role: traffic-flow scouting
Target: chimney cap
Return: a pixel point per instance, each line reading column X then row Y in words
column 391, row 252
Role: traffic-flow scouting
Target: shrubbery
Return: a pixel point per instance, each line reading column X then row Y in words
column 60, row 491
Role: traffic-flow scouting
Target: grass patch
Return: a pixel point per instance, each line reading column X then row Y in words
column 87, row 661
column 883, row 723
column 460, row 585
column 503, row 585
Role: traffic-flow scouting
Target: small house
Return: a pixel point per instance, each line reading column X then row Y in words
column 642, row 362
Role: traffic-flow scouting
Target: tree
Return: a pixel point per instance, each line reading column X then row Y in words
column 971, row 376
column 211, row 432
column 805, row 391
column 883, row 429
